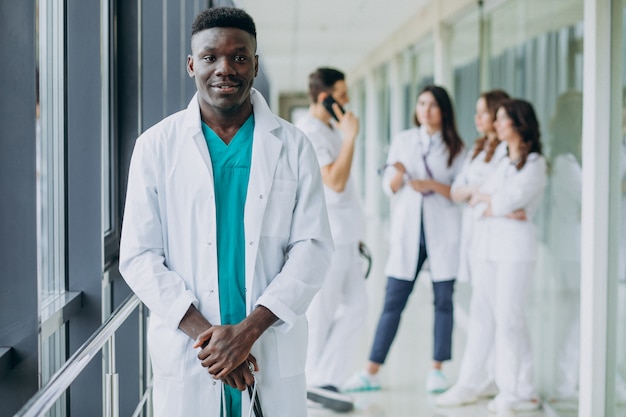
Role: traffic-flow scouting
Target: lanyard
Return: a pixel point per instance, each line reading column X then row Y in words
column 428, row 170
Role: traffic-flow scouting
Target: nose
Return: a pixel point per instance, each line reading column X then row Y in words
column 224, row 67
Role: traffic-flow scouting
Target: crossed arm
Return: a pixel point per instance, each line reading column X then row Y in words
column 476, row 198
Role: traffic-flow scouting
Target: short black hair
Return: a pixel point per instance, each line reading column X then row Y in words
column 223, row 17
column 323, row 79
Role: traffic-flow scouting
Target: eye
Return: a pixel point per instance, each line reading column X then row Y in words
column 208, row 58
column 241, row 58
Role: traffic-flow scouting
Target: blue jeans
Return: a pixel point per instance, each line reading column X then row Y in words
column 396, row 295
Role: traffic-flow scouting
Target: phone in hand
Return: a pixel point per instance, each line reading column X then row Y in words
column 328, row 105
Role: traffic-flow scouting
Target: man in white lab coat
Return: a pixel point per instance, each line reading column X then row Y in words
column 225, row 237
column 338, row 311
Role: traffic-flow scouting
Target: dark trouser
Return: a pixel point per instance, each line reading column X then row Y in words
column 396, row 295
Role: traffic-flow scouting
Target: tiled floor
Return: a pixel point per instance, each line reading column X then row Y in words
column 403, row 376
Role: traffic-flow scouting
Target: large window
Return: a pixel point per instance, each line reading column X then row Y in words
column 535, row 53
column 464, row 58
column 619, row 207
column 51, row 140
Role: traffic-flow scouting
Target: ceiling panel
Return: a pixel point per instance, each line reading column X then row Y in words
column 297, row 36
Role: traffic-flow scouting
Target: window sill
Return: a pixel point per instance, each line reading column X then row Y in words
column 58, row 310
column 5, row 360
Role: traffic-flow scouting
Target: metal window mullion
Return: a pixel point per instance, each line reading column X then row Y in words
column 56, row 197
column 595, row 208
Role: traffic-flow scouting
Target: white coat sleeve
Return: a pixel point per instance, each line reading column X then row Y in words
column 142, row 255
column 389, row 171
column 523, row 189
column 458, row 164
column 309, row 250
column 461, row 178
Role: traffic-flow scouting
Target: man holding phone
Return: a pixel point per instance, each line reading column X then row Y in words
column 338, row 311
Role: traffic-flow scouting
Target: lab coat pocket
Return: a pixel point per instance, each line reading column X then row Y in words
column 167, row 350
column 291, row 348
column 279, row 210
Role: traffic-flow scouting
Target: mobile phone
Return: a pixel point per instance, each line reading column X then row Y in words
column 328, row 105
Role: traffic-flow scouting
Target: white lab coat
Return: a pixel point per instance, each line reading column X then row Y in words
column 474, row 171
column 504, row 252
column 498, row 238
column 442, row 217
column 168, row 255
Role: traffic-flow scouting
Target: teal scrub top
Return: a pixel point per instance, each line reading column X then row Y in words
column 231, row 172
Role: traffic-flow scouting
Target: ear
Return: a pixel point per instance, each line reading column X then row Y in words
column 321, row 97
column 190, row 69
column 256, row 65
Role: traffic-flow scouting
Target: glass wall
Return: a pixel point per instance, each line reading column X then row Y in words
column 619, row 171
column 383, row 97
column 465, row 61
column 423, row 74
column 50, row 162
column 535, row 53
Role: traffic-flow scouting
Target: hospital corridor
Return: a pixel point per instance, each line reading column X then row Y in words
column 292, row 208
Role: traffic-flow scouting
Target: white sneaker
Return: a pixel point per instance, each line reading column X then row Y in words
column 487, row 390
column 436, row 382
column 361, row 381
column 495, row 406
column 456, row 396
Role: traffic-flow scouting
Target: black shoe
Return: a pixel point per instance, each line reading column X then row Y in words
column 329, row 397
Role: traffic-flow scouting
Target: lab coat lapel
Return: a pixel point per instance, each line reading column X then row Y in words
column 266, row 148
column 200, row 142
column 265, row 152
column 193, row 128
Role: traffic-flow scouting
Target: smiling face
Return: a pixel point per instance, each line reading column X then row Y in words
column 224, row 65
column 505, row 129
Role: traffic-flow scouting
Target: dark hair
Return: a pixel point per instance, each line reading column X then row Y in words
column 448, row 123
column 525, row 123
column 493, row 100
column 566, row 125
column 223, row 17
column 323, row 79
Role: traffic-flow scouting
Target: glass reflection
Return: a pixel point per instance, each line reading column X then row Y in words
column 620, row 383
column 565, row 190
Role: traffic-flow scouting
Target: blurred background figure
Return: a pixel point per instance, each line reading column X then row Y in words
column 506, row 252
column 564, row 201
column 421, row 165
column 338, row 311
column 476, row 377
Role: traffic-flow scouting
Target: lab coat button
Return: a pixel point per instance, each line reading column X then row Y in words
column 251, row 243
column 261, row 196
column 214, row 382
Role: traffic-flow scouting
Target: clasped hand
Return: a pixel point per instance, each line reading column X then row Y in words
column 226, row 353
column 421, row 186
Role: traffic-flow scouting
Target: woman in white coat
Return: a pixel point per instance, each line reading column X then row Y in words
column 421, row 165
column 480, row 163
column 505, row 254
